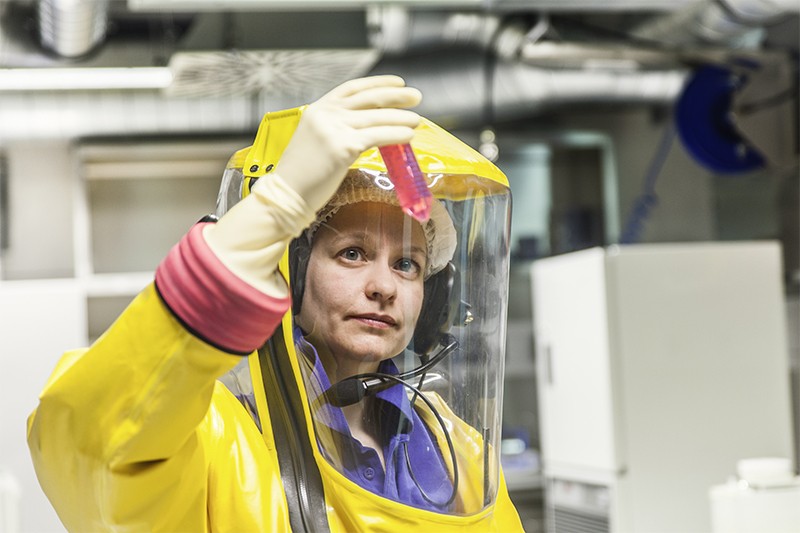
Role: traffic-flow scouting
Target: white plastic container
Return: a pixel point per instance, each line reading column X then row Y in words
column 9, row 503
column 765, row 498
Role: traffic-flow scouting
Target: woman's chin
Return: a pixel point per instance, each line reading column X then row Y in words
column 373, row 353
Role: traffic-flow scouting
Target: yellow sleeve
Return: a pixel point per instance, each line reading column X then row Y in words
column 116, row 439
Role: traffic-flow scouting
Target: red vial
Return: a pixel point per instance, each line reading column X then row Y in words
column 409, row 185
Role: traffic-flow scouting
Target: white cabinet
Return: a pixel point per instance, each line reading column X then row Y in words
column 659, row 366
column 572, row 348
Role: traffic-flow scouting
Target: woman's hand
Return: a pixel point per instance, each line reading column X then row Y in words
column 333, row 131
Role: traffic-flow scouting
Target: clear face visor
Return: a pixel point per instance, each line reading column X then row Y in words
column 400, row 336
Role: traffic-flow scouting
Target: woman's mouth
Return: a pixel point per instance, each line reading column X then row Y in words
column 375, row 320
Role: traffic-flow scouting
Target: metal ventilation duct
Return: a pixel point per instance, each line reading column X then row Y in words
column 734, row 22
column 529, row 75
column 456, row 93
column 67, row 115
column 72, row 28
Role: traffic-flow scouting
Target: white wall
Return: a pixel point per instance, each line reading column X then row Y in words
column 38, row 321
column 40, row 201
column 686, row 210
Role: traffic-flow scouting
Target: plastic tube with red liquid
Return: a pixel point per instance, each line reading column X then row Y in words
column 409, row 185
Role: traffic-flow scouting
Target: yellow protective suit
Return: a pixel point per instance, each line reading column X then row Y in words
column 136, row 434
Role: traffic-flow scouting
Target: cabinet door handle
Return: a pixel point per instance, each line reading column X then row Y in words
column 4, row 218
column 548, row 363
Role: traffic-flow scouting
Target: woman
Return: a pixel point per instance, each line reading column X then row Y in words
column 135, row 432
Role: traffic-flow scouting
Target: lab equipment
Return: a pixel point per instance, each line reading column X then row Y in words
column 656, row 366
column 763, row 498
column 9, row 503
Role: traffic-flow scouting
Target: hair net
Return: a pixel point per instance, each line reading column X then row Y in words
column 440, row 234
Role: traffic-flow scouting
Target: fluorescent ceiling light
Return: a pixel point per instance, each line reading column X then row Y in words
column 82, row 79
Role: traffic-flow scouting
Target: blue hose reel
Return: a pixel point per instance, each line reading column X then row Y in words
column 704, row 122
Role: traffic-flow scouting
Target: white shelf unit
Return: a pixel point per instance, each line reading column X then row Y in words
column 98, row 217
column 134, row 201
column 659, row 367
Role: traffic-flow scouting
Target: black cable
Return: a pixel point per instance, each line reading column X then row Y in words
column 452, row 344
column 405, row 449
column 353, row 389
column 439, row 419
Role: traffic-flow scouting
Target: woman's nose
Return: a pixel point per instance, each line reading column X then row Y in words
column 381, row 283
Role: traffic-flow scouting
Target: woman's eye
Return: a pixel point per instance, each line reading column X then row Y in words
column 408, row 265
column 351, row 254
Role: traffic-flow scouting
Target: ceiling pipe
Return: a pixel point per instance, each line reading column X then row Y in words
column 396, row 30
column 734, row 22
column 456, row 92
column 527, row 75
column 69, row 115
column 72, row 28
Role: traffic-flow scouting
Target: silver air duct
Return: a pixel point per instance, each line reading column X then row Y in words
column 455, row 88
column 732, row 22
column 528, row 75
column 72, row 28
column 396, row 30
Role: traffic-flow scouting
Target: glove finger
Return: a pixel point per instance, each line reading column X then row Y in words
column 351, row 87
column 368, row 118
column 384, row 135
column 376, row 97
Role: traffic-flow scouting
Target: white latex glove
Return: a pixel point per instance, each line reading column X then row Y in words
column 333, row 131
column 337, row 128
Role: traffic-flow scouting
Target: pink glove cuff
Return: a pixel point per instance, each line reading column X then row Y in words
column 212, row 302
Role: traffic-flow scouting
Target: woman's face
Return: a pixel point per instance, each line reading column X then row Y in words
column 364, row 285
